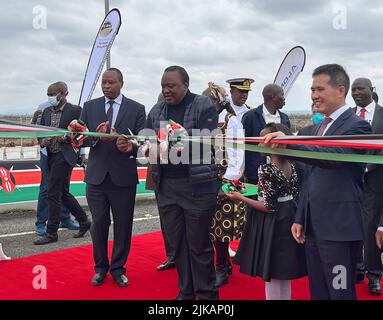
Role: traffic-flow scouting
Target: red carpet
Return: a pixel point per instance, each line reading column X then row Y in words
column 69, row 273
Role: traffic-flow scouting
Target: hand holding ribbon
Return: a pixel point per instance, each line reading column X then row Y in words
column 76, row 127
column 102, row 128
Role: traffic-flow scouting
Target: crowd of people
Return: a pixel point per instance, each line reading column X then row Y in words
column 309, row 216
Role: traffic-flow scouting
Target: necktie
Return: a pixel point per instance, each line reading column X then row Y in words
column 323, row 126
column 362, row 113
column 109, row 115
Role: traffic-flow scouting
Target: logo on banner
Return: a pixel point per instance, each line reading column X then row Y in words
column 287, row 79
column 7, row 180
column 106, row 28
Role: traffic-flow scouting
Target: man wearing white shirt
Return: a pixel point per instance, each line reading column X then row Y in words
column 111, row 175
column 329, row 214
column 370, row 257
column 256, row 119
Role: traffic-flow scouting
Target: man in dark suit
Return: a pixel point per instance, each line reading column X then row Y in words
column 187, row 189
column 111, row 175
column 370, row 261
column 255, row 120
column 329, row 215
column 62, row 157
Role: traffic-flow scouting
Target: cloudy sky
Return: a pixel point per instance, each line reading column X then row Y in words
column 213, row 39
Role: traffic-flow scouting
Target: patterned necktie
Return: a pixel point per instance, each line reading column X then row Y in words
column 109, row 115
column 323, row 126
column 362, row 113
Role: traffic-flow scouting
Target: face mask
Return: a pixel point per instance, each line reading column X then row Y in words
column 317, row 118
column 53, row 101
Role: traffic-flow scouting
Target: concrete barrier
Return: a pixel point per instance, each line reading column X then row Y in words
column 30, row 152
column 13, row 153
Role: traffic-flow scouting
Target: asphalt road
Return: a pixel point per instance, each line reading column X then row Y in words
column 17, row 230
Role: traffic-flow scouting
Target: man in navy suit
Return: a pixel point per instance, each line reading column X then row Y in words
column 255, row 120
column 111, row 175
column 329, row 215
column 366, row 108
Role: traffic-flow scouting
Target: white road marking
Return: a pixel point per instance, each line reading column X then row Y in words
column 61, row 229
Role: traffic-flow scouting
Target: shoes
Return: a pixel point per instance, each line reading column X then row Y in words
column 360, row 277
column 98, row 279
column 41, row 229
column 221, row 276
column 166, row 265
column 47, row 238
column 374, row 286
column 69, row 224
column 121, row 280
column 84, row 227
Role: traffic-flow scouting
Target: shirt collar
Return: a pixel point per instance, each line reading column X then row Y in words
column 238, row 109
column 59, row 109
column 369, row 108
column 335, row 115
column 118, row 100
column 268, row 114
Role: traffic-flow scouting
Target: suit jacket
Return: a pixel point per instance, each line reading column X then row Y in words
column 332, row 193
column 70, row 112
column 306, row 131
column 104, row 157
column 374, row 175
column 253, row 123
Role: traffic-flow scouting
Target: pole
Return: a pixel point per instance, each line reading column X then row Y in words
column 108, row 56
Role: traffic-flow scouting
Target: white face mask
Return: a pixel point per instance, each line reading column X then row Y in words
column 53, row 101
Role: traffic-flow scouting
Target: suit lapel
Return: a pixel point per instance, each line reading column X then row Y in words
column 101, row 110
column 376, row 121
column 64, row 116
column 123, row 110
column 259, row 110
column 338, row 122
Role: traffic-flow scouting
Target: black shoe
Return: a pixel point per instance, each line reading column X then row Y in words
column 47, row 238
column 98, row 279
column 121, row 280
column 84, row 227
column 166, row 265
column 374, row 286
column 360, row 277
column 221, row 276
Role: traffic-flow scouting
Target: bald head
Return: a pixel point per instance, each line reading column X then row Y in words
column 273, row 97
column 364, row 81
column 361, row 91
column 60, row 86
column 270, row 90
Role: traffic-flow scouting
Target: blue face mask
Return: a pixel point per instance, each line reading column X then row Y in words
column 317, row 118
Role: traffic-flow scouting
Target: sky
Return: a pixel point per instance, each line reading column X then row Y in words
column 214, row 40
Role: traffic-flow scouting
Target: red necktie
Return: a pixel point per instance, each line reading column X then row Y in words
column 323, row 126
column 362, row 113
